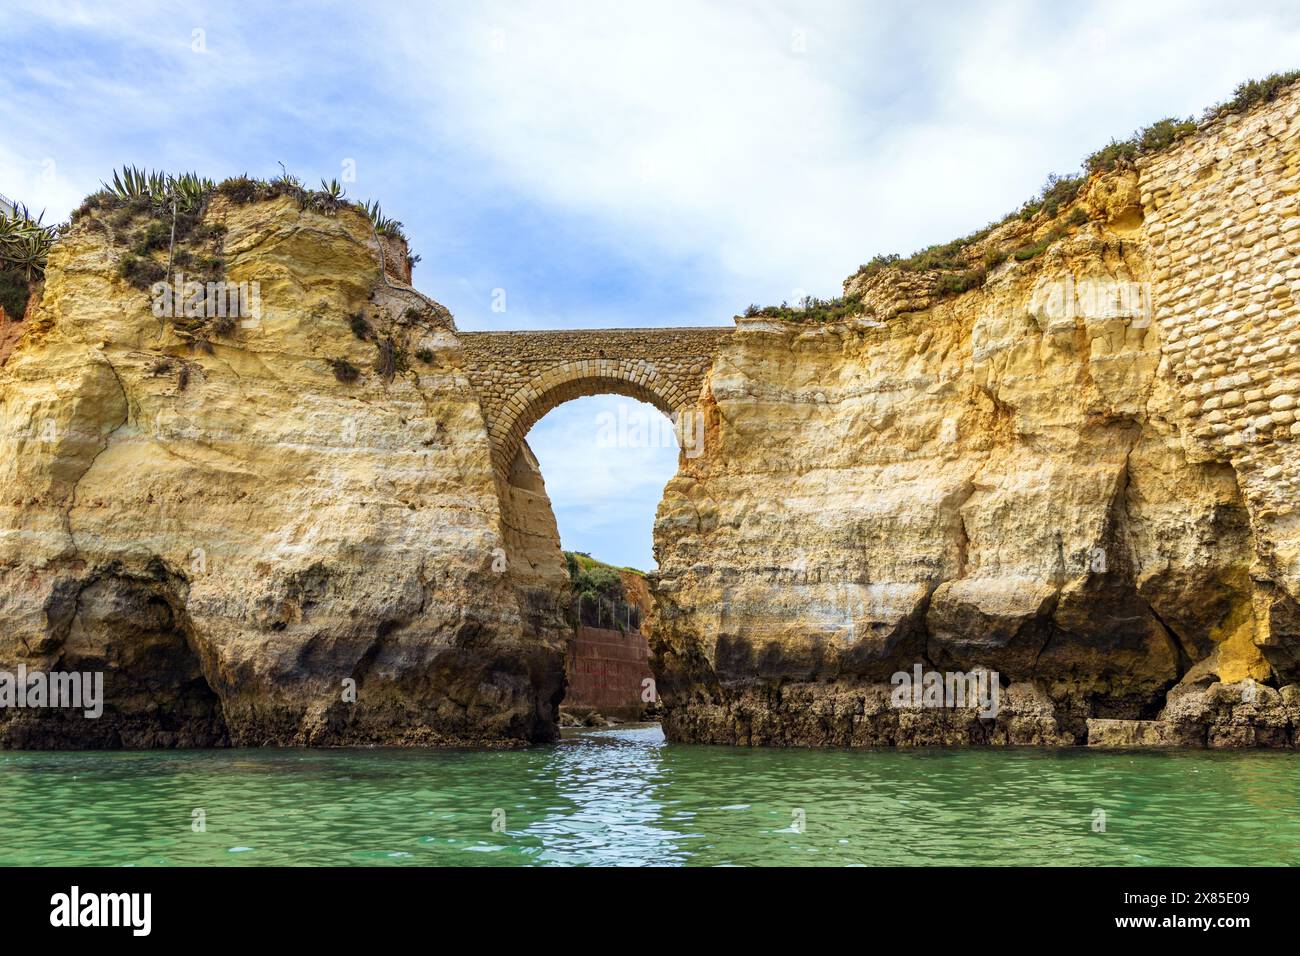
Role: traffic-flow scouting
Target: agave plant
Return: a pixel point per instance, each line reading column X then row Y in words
column 383, row 225
column 329, row 197
column 288, row 179
column 30, row 252
column 25, row 242
column 11, row 228
column 131, row 183
column 185, row 192
column 287, row 182
column 189, row 190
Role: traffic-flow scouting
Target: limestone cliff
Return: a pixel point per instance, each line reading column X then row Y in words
column 284, row 530
column 1073, row 464
column 1080, row 474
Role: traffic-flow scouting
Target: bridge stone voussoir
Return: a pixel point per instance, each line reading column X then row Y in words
column 519, row 376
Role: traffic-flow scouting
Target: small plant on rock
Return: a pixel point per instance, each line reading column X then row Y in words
column 384, row 226
column 360, row 327
column 141, row 272
column 389, row 360
column 329, row 198
column 240, row 189
column 344, row 370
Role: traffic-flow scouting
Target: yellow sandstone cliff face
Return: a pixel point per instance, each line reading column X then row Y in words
column 1081, row 475
column 253, row 550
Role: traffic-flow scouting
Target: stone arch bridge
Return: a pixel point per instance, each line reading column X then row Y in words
column 520, row 376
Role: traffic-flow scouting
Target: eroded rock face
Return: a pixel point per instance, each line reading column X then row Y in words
column 1082, row 475
column 253, row 550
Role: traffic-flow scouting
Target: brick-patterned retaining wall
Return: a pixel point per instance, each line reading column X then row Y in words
column 1222, row 225
column 396, row 264
column 606, row 670
column 520, row 376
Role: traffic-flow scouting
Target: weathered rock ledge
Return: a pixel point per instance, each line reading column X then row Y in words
column 1082, row 474
column 267, row 532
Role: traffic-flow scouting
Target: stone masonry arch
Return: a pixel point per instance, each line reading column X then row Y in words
column 570, row 380
column 520, row 376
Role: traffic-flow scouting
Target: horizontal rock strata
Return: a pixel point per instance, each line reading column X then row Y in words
column 255, row 545
column 1082, row 475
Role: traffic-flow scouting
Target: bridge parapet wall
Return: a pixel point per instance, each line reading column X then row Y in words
column 520, row 376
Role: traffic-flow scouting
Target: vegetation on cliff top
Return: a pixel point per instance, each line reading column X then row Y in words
column 24, row 247
column 808, row 309
column 1060, row 191
column 1165, row 133
column 592, row 579
column 187, row 194
column 160, row 219
column 600, row 597
column 958, row 270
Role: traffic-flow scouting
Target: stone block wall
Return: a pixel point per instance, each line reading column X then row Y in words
column 606, row 671
column 1222, row 230
column 520, row 376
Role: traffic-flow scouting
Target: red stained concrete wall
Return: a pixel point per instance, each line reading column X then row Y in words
column 606, row 669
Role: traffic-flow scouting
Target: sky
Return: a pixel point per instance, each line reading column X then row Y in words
column 609, row 164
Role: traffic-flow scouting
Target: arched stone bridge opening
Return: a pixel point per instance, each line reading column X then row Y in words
column 520, row 376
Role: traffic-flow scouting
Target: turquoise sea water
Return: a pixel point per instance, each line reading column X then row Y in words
column 626, row 797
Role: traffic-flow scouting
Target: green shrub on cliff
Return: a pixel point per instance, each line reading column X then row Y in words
column 1252, row 92
column 1158, row 136
column 389, row 359
column 955, row 283
column 1164, row 133
column 994, row 258
column 166, row 192
column 594, row 580
column 344, row 370
column 360, row 326
column 24, row 248
column 329, row 199
column 141, row 272
column 155, row 235
column 14, row 290
column 1060, row 191
column 953, row 257
column 809, row 309
column 163, row 197
column 241, row 189
column 383, row 225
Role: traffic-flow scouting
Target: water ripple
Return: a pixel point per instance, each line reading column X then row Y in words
column 624, row 797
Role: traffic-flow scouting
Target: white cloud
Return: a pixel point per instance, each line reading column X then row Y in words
column 776, row 144
column 697, row 126
column 693, row 125
column 697, row 140
column 605, row 483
